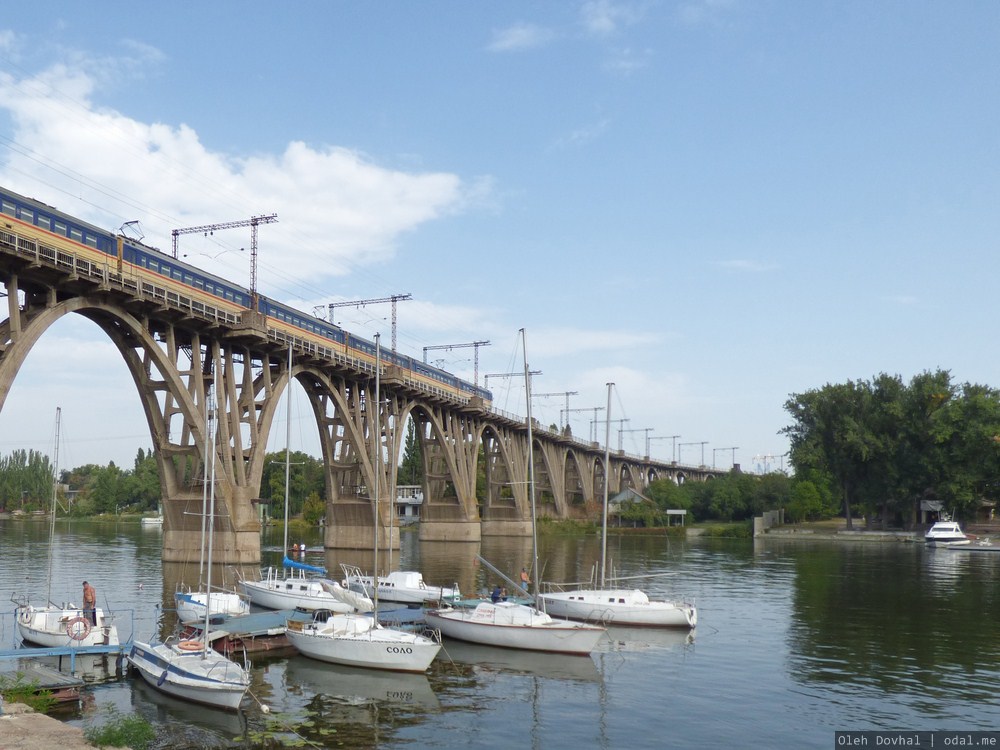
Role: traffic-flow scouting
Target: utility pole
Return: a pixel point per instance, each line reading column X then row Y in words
column 486, row 378
column 449, row 347
column 621, row 425
column 362, row 302
column 673, row 448
column 716, row 450
column 594, row 409
column 567, row 394
column 647, row 430
column 702, row 444
column 253, row 222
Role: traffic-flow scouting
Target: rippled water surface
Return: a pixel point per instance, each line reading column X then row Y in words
column 795, row 641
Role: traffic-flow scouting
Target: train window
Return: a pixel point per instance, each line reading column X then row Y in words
column 199, row 283
column 44, row 222
column 188, row 279
column 177, row 274
column 91, row 240
column 9, row 208
column 75, row 234
column 60, row 228
column 154, row 265
column 27, row 215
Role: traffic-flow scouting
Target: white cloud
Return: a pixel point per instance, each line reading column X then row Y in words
column 700, row 12
column 337, row 209
column 583, row 136
column 520, row 36
column 603, row 17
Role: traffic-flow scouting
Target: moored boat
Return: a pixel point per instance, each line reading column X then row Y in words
column 401, row 586
column 946, row 533
column 510, row 625
column 620, row 607
column 187, row 669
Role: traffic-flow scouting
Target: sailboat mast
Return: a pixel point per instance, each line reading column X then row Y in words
column 55, row 489
column 377, row 427
column 288, row 439
column 607, row 482
column 531, row 464
column 204, row 490
column 213, row 410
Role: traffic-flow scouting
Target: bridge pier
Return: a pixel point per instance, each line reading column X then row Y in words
column 349, row 526
column 446, row 521
column 228, row 547
column 506, row 528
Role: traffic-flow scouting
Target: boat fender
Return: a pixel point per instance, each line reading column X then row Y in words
column 163, row 678
column 189, row 645
column 74, row 631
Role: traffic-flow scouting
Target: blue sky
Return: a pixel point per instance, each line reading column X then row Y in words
column 712, row 203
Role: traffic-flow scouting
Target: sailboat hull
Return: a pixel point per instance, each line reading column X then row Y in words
column 510, row 625
column 193, row 606
column 56, row 627
column 358, row 641
column 200, row 676
column 620, row 607
column 292, row 591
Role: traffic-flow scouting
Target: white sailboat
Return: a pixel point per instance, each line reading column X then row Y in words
column 358, row 640
column 513, row 625
column 614, row 605
column 66, row 624
column 401, row 586
column 289, row 587
column 191, row 669
column 193, row 605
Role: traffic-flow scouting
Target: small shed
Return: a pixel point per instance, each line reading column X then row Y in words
column 628, row 498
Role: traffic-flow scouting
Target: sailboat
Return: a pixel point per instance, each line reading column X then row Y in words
column 193, row 605
column 612, row 605
column 355, row 639
column 509, row 624
column 290, row 588
column 66, row 624
column 191, row 669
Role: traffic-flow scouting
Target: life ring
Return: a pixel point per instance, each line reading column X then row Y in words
column 190, row 645
column 74, row 631
column 26, row 614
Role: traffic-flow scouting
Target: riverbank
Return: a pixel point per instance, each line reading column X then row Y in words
column 23, row 728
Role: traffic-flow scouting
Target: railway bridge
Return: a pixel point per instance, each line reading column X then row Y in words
column 190, row 361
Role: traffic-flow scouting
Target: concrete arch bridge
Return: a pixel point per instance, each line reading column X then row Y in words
column 180, row 351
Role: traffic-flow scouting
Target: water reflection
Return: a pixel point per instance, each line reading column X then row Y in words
column 358, row 687
column 900, row 622
column 488, row 659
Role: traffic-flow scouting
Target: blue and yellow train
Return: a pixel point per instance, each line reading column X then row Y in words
column 50, row 227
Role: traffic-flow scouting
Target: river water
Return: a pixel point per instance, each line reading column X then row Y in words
column 796, row 640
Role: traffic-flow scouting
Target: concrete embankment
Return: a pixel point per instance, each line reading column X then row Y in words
column 22, row 728
column 844, row 535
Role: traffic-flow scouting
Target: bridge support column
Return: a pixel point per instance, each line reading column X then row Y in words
column 506, row 528
column 182, row 535
column 448, row 523
column 349, row 526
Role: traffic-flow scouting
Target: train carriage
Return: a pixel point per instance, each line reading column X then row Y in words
column 151, row 272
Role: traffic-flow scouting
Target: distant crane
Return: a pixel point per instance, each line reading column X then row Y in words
column 449, row 347
column 253, row 222
column 362, row 302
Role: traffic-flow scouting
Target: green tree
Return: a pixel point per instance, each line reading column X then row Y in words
column 411, row 467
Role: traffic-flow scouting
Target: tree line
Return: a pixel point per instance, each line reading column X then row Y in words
column 885, row 446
